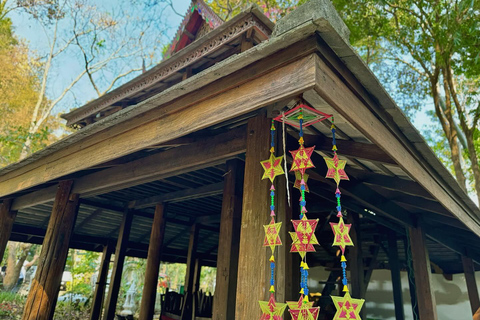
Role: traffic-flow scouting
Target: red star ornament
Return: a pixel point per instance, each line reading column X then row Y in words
column 298, row 181
column 302, row 310
column 336, row 169
column 271, row 310
column 347, row 308
column 301, row 159
column 341, row 236
column 272, row 235
column 272, row 167
column 304, row 237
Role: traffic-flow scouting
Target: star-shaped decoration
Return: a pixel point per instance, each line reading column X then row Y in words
column 298, row 181
column 347, row 308
column 302, row 310
column 271, row 310
column 272, row 167
column 301, row 159
column 341, row 235
column 336, row 169
column 304, row 237
column 272, row 237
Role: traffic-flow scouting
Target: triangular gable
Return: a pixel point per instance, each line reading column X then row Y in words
column 199, row 20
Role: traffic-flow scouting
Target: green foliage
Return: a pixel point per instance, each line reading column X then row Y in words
column 13, row 139
column 71, row 311
column 11, row 305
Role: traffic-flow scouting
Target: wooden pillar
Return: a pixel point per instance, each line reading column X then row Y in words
column 101, row 283
column 469, row 270
column 357, row 269
column 421, row 267
column 7, row 217
column 190, row 274
column 116, row 278
column 228, row 242
column 411, row 278
column 42, row 298
column 147, row 308
column 395, row 271
column 253, row 265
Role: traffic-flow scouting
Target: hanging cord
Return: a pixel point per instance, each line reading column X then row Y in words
column 285, row 157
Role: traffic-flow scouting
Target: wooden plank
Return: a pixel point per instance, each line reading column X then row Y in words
column 332, row 89
column 101, row 284
column 253, row 265
column 394, row 264
column 155, row 246
column 421, row 267
column 116, row 277
column 229, row 240
column 42, row 298
column 286, row 81
column 7, row 218
column 469, row 270
column 190, row 273
column 182, row 195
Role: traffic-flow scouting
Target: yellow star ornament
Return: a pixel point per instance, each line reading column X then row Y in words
column 341, row 236
column 347, row 307
column 272, row 167
column 271, row 310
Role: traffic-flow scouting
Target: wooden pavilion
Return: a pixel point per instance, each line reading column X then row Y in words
column 167, row 167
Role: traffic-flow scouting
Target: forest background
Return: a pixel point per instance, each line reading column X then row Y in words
column 57, row 55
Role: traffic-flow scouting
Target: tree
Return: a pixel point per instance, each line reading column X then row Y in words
column 273, row 9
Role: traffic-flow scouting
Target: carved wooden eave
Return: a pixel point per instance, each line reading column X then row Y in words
column 202, row 53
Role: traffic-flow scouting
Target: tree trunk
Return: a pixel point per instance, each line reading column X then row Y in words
column 14, row 264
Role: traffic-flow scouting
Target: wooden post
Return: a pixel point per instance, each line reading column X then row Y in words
column 228, row 243
column 411, row 278
column 116, row 278
column 7, row 218
column 42, row 298
column 357, row 270
column 101, row 283
column 421, row 267
column 469, row 270
column 395, row 271
column 190, row 274
column 147, row 308
column 253, row 265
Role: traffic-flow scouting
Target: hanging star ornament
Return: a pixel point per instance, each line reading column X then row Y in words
column 341, row 236
column 272, row 167
column 272, row 235
column 301, row 159
column 347, row 307
column 304, row 237
column 271, row 310
column 336, row 169
column 303, row 310
column 298, row 181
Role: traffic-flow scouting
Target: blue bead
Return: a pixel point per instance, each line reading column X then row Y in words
column 272, row 207
column 344, row 264
column 339, row 208
column 302, row 187
column 344, row 281
column 337, row 195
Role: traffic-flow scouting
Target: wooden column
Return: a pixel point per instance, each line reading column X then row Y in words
column 411, row 278
column 147, row 308
column 395, row 271
column 421, row 267
column 469, row 270
column 355, row 260
column 42, row 298
column 228, row 242
column 101, row 283
column 7, row 217
column 253, row 265
column 116, row 278
column 190, row 274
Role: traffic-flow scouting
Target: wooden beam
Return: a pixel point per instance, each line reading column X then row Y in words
column 155, row 247
column 421, row 266
column 253, row 265
column 42, row 297
column 469, row 271
column 340, row 96
column 182, row 195
column 164, row 164
column 85, row 221
column 229, row 240
column 190, row 274
column 7, row 218
column 101, row 284
column 394, row 264
column 116, row 277
column 175, row 119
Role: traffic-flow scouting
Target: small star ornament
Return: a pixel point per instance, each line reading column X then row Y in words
column 303, row 310
column 341, row 236
column 301, row 159
column 272, row 235
column 272, row 167
column 271, row 310
column 336, row 169
column 304, row 237
column 347, row 307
